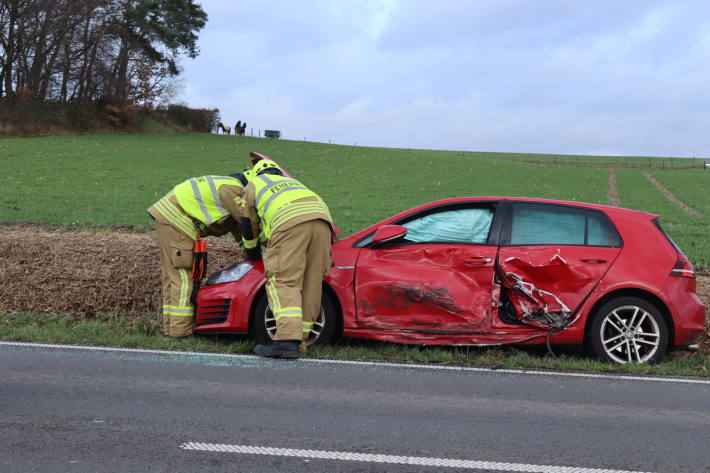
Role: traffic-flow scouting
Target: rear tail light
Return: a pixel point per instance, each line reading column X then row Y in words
column 683, row 268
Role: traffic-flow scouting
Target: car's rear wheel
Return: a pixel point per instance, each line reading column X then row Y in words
column 628, row 330
column 324, row 328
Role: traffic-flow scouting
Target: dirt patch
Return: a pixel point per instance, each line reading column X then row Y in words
column 613, row 192
column 64, row 272
column 669, row 195
column 52, row 271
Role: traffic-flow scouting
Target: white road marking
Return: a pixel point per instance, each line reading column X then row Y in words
column 619, row 377
column 393, row 459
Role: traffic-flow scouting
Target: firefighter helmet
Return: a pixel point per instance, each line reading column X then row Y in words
column 264, row 165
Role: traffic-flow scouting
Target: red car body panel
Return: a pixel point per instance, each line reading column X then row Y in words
column 449, row 291
column 448, row 294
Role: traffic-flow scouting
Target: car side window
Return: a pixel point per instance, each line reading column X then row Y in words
column 451, row 226
column 546, row 225
column 600, row 232
column 543, row 224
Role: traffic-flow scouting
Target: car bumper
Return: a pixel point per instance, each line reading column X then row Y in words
column 689, row 321
column 225, row 308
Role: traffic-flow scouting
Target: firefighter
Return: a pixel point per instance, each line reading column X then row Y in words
column 196, row 208
column 290, row 227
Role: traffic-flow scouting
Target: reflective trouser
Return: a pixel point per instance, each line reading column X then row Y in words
column 296, row 261
column 175, row 266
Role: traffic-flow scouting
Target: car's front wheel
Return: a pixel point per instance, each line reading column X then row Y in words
column 323, row 332
column 628, row 330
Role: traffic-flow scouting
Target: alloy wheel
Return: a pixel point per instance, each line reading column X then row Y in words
column 630, row 334
column 318, row 325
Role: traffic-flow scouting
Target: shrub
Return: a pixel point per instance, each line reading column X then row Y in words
column 194, row 119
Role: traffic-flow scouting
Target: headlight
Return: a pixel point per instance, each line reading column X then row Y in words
column 229, row 274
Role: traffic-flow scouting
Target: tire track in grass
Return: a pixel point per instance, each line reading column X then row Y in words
column 669, row 195
column 613, row 192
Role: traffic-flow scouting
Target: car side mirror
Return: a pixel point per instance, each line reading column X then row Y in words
column 388, row 233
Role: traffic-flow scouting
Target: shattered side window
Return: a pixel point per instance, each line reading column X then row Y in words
column 546, row 225
column 453, row 226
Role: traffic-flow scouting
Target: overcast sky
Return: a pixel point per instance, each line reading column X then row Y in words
column 550, row 76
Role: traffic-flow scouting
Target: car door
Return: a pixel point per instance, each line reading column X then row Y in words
column 439, row 277
column 551, row 258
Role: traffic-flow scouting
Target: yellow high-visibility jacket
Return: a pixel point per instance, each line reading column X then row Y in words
column 273, row 203
column 201, row 206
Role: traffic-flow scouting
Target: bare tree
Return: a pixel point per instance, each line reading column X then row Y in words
column 83, row 50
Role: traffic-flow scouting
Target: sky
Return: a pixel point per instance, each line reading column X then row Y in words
column 617, row 77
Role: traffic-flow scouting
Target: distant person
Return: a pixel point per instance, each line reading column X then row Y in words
column 292, row 227
column 196, row 208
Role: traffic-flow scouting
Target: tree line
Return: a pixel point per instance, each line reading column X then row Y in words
column 85, row 51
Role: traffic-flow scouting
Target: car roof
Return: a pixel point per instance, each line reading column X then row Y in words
column 605, row 208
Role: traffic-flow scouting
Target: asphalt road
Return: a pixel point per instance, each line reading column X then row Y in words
column 72, row 410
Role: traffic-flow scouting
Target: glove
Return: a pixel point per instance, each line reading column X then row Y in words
column 199, row 261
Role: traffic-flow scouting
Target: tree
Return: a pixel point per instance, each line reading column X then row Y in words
column 84, row 50
column 158, row 30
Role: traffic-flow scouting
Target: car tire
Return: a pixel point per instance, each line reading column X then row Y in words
column 628, row 330
column 324, row 329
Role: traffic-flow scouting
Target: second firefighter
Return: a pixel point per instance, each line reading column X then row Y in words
column 290, row 227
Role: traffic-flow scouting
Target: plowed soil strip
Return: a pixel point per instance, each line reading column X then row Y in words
column 52, row 271
column 613, row 192
column 669, row 195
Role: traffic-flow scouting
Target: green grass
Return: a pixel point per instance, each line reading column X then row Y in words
column 691, row 186
column 142, row 332
column 109, row 180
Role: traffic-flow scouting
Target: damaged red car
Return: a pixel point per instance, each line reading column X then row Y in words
column 491, row 271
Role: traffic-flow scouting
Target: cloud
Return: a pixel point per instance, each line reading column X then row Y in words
column 508, row 75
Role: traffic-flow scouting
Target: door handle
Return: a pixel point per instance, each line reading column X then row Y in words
column 477, row 260
column 593, row 260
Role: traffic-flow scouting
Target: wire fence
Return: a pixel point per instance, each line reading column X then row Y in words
column 642, row 162
column 630, row 162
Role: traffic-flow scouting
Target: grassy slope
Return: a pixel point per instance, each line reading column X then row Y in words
column 105, row 180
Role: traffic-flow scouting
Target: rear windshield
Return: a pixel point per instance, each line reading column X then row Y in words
column 657, row 223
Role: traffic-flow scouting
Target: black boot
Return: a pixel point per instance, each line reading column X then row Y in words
column 279, row 349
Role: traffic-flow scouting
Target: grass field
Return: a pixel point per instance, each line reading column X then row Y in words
column 108, row 180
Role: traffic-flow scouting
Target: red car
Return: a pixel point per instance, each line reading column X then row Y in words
column 491, row 271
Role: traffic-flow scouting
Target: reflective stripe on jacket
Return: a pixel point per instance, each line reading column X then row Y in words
column 168, row 208
column 199, row 197
column 279, row 199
